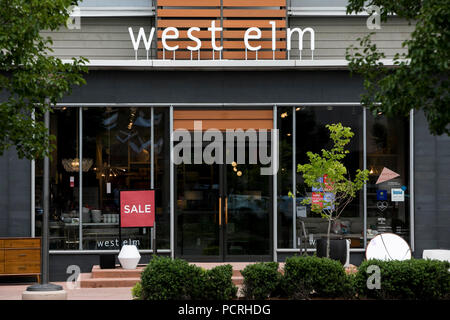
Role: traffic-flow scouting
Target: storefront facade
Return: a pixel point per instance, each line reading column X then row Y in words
column 115, row 133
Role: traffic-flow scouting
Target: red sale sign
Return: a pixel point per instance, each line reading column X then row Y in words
column 137, row 208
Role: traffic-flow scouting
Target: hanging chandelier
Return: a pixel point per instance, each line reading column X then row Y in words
column 73, row 165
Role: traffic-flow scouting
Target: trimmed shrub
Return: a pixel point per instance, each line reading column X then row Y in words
column 410, row 279
column 261, row 280
column 217, row 284
column 309, row 276
column 167, row 279
column 136, row 291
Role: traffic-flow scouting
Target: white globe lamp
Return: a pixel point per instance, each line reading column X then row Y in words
column 129, row 257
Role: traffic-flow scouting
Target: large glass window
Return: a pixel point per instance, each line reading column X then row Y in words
column 285, row 178
column 63, row 214
column 312, row 135
column 388, row 150
column 116, row 155
column 162, row 176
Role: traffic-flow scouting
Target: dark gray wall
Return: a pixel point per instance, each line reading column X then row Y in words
column 15, row 188
column 432, row 188
column 218, row 87
column 60, row 262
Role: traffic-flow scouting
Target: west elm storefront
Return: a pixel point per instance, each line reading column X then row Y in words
column 115, row 133
column 214, row 212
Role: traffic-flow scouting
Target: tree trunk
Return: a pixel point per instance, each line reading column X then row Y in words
column 328, row 238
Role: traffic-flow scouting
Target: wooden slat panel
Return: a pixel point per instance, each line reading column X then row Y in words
column 199, row 34
column 186, row 23
column 243, row 24
column 185, row 44
column 224, row 124
column 190, row 3
column 252, row 3
column 191, row 13
column 186, row 55
column 231, row 13
column 255, row 43
column 2, row 259
column 222, row 114
column 262, row 55
column 239, row 34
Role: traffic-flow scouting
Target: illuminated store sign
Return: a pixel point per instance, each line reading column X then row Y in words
column 251, row 34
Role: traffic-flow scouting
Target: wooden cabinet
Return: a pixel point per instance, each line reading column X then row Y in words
column 20, row 256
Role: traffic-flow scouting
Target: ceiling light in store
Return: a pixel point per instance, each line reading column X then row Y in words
column 284, row 114
column 239, row 173
column 73, row 165
column 234, row 164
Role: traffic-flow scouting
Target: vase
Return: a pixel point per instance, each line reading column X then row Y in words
column 129, row 257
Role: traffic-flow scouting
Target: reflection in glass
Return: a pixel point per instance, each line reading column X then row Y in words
column 64, row 213
column 285, row 202
column 119, row 139
column 387, row 148
column 312, row 135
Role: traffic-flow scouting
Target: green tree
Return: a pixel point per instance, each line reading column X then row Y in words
column 420, row 78
column 30, row 78
column 327, row 173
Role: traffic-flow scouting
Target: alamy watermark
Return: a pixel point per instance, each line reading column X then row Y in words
column 72, row 281
column 74, row 20
column 232, row 146
column 374, row 280
column 374, row 19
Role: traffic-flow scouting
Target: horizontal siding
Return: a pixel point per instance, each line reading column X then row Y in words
column 335, row 34
column 100, row 38
column 108, row 38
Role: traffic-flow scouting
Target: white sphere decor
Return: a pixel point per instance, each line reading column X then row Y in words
column 129, row 257
column 388, row 246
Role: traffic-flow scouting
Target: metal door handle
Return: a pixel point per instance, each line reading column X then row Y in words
column 226, row 210
column 220, row 211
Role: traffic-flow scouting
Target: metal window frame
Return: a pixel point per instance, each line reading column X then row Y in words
column 411, row 181
column 275, row 163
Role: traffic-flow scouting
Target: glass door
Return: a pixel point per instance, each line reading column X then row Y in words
column 224, row 211
column 247, row 209
column 198, row 212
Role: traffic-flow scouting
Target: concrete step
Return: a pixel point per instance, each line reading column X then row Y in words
column 118, row 277
column 116, row 273
column 86, row 281
column 237, row 280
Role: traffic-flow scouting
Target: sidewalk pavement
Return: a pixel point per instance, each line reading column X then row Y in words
column 14, row 292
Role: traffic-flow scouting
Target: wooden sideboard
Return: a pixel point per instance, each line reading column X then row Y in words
column 20, row 257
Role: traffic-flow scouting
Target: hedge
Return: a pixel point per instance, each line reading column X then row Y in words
column 303, row 277
column 261, row 280
column 409, row 279
column 175, row 279
column 310, row 276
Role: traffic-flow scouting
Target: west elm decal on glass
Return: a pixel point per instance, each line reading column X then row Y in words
column 251, row 34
